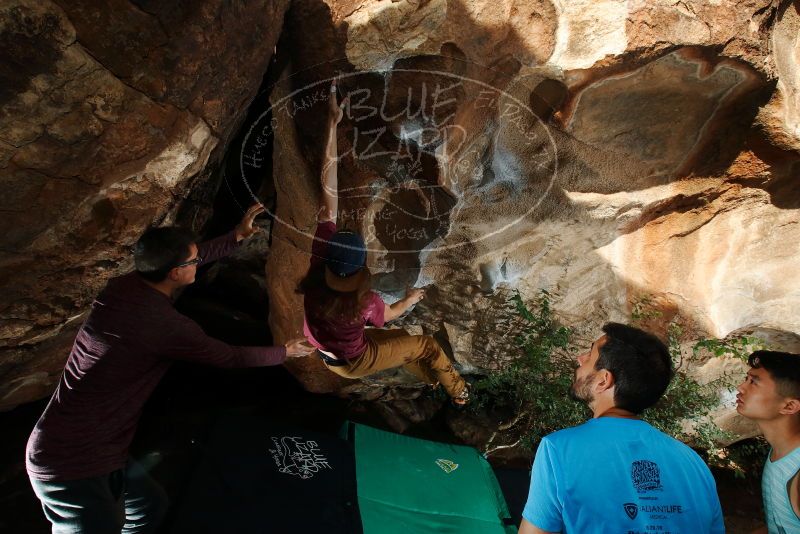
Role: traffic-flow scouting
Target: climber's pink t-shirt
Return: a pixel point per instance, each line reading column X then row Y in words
column 343, row 340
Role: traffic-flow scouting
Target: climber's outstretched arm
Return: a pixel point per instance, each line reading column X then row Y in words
column 329, row 197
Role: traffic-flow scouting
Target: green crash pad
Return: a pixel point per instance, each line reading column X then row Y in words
column 414, row 486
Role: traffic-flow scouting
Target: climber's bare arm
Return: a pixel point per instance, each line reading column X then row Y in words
column 393, row 311
column 329, row 197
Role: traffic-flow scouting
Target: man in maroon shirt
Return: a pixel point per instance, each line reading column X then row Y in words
column 77, row 456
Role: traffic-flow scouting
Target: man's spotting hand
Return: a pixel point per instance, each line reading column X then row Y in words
column 245, row 228
column 297, row 348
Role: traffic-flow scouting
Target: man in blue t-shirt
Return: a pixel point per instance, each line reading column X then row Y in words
column 617, row 474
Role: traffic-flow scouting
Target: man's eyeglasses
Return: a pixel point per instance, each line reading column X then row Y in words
column 193, row 261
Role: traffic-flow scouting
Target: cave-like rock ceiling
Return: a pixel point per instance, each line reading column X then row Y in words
column 606, row 151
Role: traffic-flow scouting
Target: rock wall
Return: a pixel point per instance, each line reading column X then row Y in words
column 786, row 49
column 112, row 114
column 606, row 151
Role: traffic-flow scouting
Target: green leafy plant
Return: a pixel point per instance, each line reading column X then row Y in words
column 688, row 401
column 643, row 309
column 738, row 347
column 746, row 458
column 533, row 390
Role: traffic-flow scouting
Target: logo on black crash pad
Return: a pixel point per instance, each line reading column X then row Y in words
column 645, row 476
column 631, row 509
column 298, row 457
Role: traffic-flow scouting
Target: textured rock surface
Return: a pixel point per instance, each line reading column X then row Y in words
column 111, row 115
column 786, row 49
column 605, row 151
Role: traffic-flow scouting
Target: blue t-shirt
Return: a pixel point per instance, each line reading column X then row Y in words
column 621, row 476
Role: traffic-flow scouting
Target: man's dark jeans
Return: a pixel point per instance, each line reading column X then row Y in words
column 126, row 501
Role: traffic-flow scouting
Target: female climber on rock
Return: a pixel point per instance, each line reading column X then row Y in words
column 338, row 301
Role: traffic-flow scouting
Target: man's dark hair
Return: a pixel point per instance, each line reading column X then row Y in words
column 159, row 250
column 640, row 363
column 783, row 367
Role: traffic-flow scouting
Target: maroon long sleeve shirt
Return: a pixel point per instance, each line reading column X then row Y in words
column 132, row 335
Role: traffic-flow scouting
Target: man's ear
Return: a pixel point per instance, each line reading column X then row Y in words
column 605, row 380
column 173, row 274
column 790, row 407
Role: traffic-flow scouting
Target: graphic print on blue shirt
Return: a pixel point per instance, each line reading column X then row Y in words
column 645, row 476
column 621, row 476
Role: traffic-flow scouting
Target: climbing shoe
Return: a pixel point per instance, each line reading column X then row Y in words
column 461, row 401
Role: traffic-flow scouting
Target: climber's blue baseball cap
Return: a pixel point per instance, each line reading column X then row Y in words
column 345, row 261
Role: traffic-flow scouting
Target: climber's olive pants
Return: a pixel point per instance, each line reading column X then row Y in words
column 420, row 355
